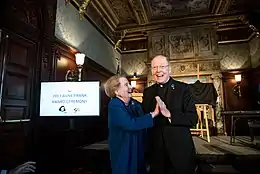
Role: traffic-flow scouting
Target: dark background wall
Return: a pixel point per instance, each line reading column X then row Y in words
column 30, row 53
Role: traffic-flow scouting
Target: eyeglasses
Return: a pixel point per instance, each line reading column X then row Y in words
column 161, row 67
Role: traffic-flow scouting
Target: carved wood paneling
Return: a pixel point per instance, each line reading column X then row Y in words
column 183, row 43
column 26, row 11
column 170, row 8
column 139, row 11
column 18, row 76
column 28, row 23
column 157, row 44
column 190, row 68
column 234, row 103
column 122, row 10
column 64, row 60
column 180, row 45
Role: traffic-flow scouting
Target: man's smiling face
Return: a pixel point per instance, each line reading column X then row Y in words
column 160, row 69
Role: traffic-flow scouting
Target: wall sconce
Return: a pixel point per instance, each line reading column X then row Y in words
column 80, row 59
column 236, row 88
column 133, row 83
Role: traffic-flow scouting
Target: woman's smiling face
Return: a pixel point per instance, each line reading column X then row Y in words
column 125, row 89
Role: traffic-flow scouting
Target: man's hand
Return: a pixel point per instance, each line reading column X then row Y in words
column 165, row 112
column 24, row 168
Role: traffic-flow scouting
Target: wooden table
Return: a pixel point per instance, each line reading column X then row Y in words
column 236, row 115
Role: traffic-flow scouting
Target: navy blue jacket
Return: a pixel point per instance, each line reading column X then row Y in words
column 127, row 125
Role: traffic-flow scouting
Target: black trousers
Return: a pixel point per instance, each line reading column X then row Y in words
column 172, row 152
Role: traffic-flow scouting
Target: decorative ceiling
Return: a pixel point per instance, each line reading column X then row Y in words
column 137, row 17
column 158, row 9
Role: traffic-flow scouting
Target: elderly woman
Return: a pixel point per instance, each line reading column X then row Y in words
column 126, row 123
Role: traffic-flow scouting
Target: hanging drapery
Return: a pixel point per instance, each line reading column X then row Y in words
column 203, row 93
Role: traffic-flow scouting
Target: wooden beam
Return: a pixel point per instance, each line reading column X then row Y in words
column 216, row 6
column 186, row 21
column 139, row 11
column 221, row 6
column 102, row 10
column 225, row 4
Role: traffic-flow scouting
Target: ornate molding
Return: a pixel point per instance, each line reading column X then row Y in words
column 238, row 40
column 225, row 4
column 105, row 14
column 183, row 43
column 172, row 9
column 139, row 11
column 112, row 16
column 178, row 22
column 190, row 68
column 221, row 6
column 217, row 82
column 109, row 10
column 98, row 20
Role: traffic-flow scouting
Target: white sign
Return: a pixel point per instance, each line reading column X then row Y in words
column 70, row 99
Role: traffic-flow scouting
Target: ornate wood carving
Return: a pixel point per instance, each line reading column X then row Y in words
column 183, row 43
column 171, row 8
column 26, row 11
column 180, row 45
column 139, row 11
column 222, row 6
column 190, row 68
column 105, row 25
column 178, row 22
column 112, row 16
column 122, row 10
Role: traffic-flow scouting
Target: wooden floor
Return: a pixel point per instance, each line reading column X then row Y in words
column 219, row 155
column 219, row 145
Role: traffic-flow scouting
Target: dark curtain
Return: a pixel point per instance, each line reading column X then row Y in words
column 204, row 93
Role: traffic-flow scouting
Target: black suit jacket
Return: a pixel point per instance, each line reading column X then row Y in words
column 178, row 100
column 172, row 139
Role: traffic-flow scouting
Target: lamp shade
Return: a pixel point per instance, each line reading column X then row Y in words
column 80, row 58
column 238, row 77
column 133, row 83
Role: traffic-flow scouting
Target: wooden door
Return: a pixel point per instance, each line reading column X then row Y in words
column 17, row 65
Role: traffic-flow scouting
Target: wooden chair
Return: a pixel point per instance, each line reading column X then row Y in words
column 204, row 112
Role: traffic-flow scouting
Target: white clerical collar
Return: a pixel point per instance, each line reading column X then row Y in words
column 162, row 84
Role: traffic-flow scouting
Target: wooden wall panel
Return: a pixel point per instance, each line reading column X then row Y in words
column 234, row 103
column 56, row 137
column 255, row 88
column 26, row 43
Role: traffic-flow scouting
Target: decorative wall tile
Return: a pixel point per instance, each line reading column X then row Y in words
column 234, row 56
column 134, row 62
column 255, row 52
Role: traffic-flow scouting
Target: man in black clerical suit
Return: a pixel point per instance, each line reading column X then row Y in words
column 171, row 149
